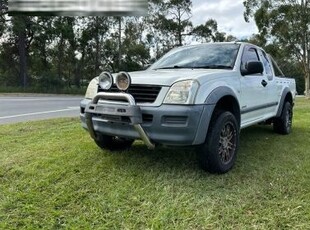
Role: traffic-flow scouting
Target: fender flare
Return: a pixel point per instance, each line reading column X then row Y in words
column 219, row 93
column 210, row 104
column 285, row 92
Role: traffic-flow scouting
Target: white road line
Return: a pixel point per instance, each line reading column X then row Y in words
column 20, row 99
column 39, row 113
column 28, row 99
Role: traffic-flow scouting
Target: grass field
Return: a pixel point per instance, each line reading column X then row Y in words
column 52, row 176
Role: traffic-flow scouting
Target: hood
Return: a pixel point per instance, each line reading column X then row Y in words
column 167, row 77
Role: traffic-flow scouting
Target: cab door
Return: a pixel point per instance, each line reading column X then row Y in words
column 272, row 97
column 254, row 90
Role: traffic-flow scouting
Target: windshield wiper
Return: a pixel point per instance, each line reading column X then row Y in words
column 174, row 67
column 213, row 67
column 197, row 67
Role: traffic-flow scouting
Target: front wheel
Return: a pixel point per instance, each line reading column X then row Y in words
column 218, row 153
column 113, row 143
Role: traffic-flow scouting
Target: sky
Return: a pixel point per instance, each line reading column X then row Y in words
column 227, row 13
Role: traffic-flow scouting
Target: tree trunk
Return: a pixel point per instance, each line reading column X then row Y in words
column 22, row 57
column 179, row 28
column 78, row 69
column 97, row 52
column 307, row 85
column 60, row 57
column 119, row 43
column 77, row 76
column 180, row 38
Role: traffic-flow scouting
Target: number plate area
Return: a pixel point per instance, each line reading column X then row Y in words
column 116, row 113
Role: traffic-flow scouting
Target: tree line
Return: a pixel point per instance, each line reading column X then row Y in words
column 52, row 53
column 55, row 52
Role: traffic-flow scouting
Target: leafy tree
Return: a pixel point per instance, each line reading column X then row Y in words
column 209, row 32
column 135, row 51
column 41, row 52
column 49, row 53
column 9, row 70
column 180, row 13
column 206, row 32
column 23, row 34
column 171, row 20
column 3, row 13
column 287, row 23
column 97, row 27
column 63, row 32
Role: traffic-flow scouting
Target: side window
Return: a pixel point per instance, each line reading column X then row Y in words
column 249, row 54
column 276, row 69
column 266, row 64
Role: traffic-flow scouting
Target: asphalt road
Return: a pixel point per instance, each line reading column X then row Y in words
column 22, row 108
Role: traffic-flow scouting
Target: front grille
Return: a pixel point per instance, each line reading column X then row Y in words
column 141, row 93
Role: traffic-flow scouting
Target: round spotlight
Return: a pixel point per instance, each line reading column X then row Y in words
column 105, row 80
column 123, row 81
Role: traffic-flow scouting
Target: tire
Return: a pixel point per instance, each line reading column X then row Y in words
column 218, row 153
column 283, row 124
column 113, row 143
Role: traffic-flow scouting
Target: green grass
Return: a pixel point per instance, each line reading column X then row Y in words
column 53, row 176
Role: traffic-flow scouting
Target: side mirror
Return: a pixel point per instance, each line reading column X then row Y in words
column 253, row 67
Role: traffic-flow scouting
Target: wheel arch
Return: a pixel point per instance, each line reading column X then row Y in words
column 286, row 96
column 224, row 98
column 221, row 98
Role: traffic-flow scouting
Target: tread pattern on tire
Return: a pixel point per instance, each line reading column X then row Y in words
column 208, row 152
column 279, row 123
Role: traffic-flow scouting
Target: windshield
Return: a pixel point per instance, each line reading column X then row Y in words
column 208, row 56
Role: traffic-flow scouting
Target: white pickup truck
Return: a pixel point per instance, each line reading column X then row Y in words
column 198, row 95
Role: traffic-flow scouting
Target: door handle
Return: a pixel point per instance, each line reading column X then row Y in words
column 264, row 83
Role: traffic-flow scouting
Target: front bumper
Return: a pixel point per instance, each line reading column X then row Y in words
column 181, row 125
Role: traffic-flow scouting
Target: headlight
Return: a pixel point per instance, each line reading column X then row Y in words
column 105, row 80
column 123, row 81
column 183, row 92
column 92, row 88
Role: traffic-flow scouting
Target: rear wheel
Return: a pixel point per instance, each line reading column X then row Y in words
column 113, row 143
column 218, row 153
column 283, row 124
